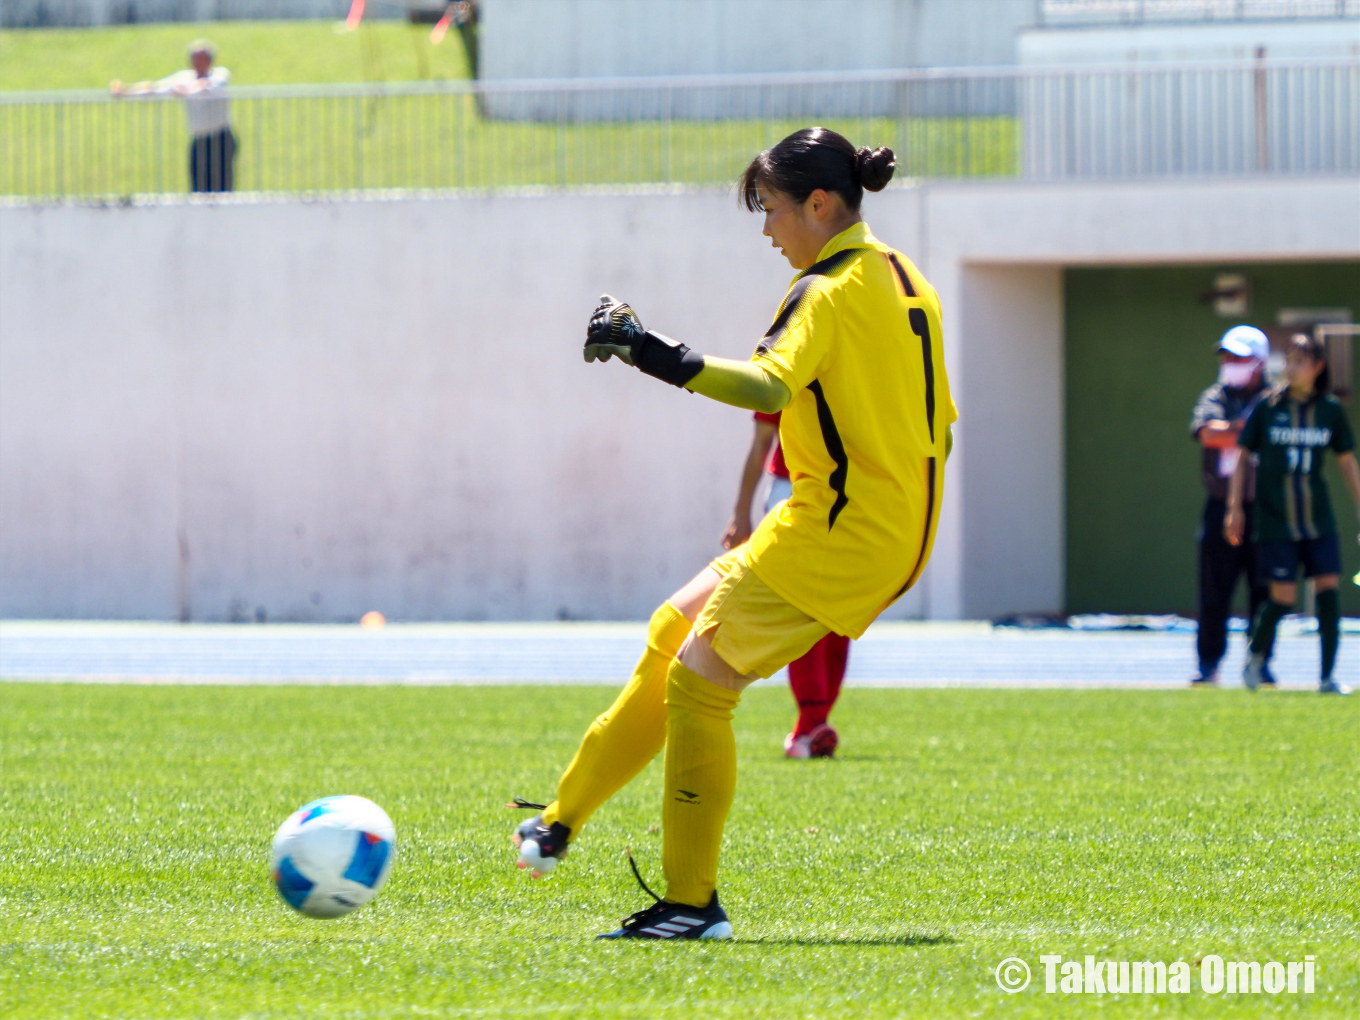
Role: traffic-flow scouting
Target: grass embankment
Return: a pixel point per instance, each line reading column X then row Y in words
column 108, row 149
column 256, row 52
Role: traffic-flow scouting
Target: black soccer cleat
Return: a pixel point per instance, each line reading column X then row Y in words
column 540, row 846
column 664, row 920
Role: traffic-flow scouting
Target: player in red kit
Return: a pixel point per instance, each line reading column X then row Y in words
column 815, row 678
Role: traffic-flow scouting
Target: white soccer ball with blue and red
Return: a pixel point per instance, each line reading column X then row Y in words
column 333, row 855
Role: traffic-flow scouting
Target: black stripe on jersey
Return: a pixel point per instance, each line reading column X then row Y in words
column 901, row 274
column 798, row 292
column 920, row 325
column 781, row 321
column 832, row 437
column 925, row 538
column 832, row 262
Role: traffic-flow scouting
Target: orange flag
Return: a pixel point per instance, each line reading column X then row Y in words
column 441, row 27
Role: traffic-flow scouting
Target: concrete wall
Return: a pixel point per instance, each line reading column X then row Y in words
column 307, row 410
column 1013, row 376
column 595, row 38
column 311, row 410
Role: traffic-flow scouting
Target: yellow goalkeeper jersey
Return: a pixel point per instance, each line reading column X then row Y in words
column 858, row 343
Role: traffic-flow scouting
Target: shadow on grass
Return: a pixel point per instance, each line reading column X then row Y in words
column 850, row 940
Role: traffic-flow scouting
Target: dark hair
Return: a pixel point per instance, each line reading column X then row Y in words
column 813, row 158
column 1315, row 350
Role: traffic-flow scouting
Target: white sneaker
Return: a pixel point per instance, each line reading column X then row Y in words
column 820, row 743
column 798, row 747
column 1254, row 671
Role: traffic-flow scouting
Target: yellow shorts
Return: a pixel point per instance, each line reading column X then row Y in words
column 755, row 631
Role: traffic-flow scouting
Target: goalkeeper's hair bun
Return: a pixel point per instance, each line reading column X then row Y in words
column 813, row 158
column 875, row 167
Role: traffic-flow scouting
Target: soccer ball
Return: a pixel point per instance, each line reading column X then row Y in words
column 333, row 855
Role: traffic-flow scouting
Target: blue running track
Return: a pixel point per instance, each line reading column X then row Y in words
column 890, row 655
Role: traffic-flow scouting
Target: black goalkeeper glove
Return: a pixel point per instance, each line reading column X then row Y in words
column 615, row 329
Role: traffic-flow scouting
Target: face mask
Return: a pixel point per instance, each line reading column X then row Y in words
column 1237, row 374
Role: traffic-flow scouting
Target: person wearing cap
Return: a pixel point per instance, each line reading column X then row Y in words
column 1217, row 421
column 212, row 150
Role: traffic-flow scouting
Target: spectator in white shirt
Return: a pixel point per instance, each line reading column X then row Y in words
column 212, row 152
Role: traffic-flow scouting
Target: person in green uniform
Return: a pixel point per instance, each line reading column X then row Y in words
column 1288, row 435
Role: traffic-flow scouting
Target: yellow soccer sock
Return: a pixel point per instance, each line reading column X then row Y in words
column 701, row 777
column 621, row 742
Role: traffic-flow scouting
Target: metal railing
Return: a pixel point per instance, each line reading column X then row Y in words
column 1038, row 124
column 1139, row 12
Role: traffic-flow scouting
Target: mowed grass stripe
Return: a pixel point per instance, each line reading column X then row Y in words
column 957, row 828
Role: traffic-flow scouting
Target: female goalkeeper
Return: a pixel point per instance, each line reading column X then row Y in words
column 854, row 360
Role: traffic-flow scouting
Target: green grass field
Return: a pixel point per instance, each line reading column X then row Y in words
column 257, row 52
column 316, row 144
column 958, row 828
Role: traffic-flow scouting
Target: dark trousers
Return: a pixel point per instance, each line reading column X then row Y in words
column 212, row 161
column 1220, row 565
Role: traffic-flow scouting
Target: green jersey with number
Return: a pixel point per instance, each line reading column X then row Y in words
column 1290, row 440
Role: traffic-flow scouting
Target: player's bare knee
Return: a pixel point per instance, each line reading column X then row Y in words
column 697, row 654
column 1284, row 594
column 690, row 599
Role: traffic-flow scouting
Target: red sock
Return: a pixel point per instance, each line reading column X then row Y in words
column 837, row 657
column 815, row 680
